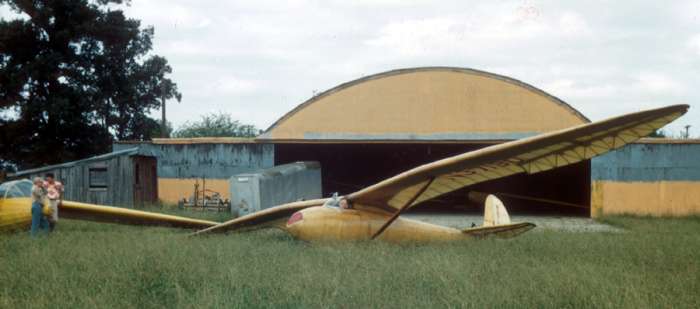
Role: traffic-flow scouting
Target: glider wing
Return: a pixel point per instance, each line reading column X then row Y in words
column 92, row 212
column 264, row 218
column 530, row 155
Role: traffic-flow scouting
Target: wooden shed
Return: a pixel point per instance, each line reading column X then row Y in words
column 126, row 178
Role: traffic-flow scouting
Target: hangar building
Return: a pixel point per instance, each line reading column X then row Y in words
column 378, row 126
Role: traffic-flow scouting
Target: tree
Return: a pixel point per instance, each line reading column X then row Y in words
column 658, row 133
column 155, row 129
column 216, row 125
column 75, row 75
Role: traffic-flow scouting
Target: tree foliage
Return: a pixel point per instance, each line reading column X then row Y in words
column 216, row 125
column 75, row 75
column 658, row 134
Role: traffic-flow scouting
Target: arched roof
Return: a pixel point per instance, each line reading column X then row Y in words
column 427, row 103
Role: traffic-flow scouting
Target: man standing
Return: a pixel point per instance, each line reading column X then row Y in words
column 54, row 191
column 39, row 223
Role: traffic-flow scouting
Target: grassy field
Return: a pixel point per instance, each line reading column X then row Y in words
column 654, row 263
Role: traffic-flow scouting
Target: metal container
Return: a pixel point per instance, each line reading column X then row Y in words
column 251, row 192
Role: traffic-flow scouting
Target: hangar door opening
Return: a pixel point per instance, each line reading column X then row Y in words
column 347, row 167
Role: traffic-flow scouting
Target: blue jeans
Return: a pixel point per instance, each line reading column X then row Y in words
column 39, row 222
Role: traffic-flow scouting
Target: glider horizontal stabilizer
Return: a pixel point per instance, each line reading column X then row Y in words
column 500, row 231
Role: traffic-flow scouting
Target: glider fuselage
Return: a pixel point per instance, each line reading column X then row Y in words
column 324, row 223
column 15, row 213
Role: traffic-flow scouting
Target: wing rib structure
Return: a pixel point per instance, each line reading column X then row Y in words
column 530, row 155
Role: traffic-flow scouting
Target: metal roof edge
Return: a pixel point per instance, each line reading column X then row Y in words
column 130, row 152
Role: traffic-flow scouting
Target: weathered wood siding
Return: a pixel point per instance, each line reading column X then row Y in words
column 181, row 165
column 210, row 161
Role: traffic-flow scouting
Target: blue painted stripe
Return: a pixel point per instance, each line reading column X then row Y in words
column 457, row 136
column 649, row 162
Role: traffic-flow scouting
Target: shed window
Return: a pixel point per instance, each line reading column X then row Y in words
column 98, row 177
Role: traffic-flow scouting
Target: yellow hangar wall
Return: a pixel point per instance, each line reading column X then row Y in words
column 434, row 103
column 653, row 177
column 172, row 190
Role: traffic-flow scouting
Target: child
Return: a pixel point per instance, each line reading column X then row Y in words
column 54, row 191
column 39, row 222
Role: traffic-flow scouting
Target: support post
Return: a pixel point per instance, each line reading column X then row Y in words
column 398, row 212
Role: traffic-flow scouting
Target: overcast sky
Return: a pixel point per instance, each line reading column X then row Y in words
column 258, row 59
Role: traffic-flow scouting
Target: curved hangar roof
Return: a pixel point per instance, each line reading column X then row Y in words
column 432, row 103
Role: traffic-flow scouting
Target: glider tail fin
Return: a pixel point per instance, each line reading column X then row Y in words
column 495, row 212
column 496, row 219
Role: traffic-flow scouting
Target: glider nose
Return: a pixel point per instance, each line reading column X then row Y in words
column 293, row 226
column 296, row 217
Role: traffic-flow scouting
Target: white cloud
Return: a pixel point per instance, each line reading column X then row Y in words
column 486, row 30
column 258, row 59
column 659, row 83
column 694, row 44
column 576, row 91
column 231, row 85
column 573, row 24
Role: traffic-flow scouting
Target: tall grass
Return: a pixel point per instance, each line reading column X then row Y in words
column 654, row 263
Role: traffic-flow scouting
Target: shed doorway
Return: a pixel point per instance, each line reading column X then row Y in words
column 145, row 181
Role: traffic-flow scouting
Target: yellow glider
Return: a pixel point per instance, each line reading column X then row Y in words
column 15, row 211
column 375, row 210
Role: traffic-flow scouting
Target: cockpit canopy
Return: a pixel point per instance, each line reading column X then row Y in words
column 338, row 202
column 16, row 188
column 332, row 202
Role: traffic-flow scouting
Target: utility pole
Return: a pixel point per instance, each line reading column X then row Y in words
column 687, row 131
column 163, row 121
column 163, row 126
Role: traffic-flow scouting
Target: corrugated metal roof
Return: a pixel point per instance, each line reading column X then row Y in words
column 204, row 140
column 193, row 140
column 125, row 152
